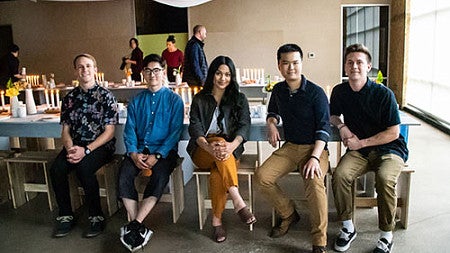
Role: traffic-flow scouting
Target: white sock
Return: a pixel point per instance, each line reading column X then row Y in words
column 387, row 235
column 348, row 224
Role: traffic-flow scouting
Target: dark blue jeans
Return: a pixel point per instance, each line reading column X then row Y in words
column 85, row 171
column 157, row 182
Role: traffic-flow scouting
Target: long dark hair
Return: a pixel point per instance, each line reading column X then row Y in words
column 231, row 94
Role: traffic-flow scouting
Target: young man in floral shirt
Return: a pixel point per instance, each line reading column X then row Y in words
column 88, row 117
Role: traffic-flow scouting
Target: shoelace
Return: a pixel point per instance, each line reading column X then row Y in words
column 344, row 235
column 382, row 244
column 95, row 219
column 64, row 218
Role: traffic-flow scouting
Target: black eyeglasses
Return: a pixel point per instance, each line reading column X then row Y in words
column 155, row 71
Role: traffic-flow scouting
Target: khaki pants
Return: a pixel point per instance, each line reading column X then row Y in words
column 223, row 176
column 387, row 169
column 291, row 157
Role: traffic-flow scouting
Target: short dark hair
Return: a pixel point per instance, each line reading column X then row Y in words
column 287, row 48
column 154, row 58
column 84, row 55
column 197, row 28
column 171, row 38
column 14, row 48
column 135, row 40
column 360, row 48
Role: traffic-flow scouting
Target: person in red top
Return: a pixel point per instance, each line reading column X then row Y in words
column 173, row 57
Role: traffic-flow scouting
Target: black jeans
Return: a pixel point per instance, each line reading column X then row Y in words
column 85, row 171
column 157, row 182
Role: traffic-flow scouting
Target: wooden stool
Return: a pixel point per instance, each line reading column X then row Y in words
column 248, row 163
column 176, row 190
column 403, row 189
column 107, row 177
column 4, row 184
column 20, row 185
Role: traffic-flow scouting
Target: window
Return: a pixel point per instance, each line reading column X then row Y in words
column 367, row 25
column 428, row 86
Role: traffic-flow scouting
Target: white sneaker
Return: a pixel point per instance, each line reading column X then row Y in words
column 344, row 240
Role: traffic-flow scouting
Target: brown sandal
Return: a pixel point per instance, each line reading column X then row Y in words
column 246, row 216
column 219, row 232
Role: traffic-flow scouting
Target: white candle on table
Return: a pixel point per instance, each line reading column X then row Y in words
column 189, row 96
column 238, row 75
column 57, row 98
column 183, row 90
column 3, row 98
column 46, row 98
column 52, row 99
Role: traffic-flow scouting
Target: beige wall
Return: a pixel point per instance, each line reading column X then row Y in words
column 50, row 34
column 251, row 31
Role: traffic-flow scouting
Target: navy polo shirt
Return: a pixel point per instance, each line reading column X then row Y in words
column 304, row 112
column 368, row 112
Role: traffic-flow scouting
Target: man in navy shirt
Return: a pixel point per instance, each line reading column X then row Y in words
column 370, row 131
column 195, row 67
column 303, row 107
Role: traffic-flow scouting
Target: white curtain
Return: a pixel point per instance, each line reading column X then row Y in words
column 182, row 3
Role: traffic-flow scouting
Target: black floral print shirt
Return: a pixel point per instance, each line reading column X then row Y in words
column 87, row 114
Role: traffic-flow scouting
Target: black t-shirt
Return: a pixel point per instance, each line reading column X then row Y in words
column 368, row 112
column 9, row 66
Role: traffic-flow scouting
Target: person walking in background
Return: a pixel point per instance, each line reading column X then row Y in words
column 219, row 125
column 88, row 118
column 303, row 108
column 135, row 60
column 371, row 132
column 195, row 66
column 174, row 58
column 151, row 136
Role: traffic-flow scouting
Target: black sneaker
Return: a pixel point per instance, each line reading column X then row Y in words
column 344, row 239
column 96, row 227
column 63, row 225
column 135, row 235
column 383, row 246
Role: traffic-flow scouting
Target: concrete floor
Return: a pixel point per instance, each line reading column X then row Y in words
column 29, row 228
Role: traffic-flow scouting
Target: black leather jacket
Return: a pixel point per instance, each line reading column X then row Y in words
column 201, row 114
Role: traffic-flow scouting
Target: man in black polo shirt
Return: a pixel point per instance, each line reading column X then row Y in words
column 370, row 131
column 303, row 107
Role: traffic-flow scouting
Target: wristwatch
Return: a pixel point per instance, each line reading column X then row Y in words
column 158, row 156
column 87, row 151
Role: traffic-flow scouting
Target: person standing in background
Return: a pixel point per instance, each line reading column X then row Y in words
column 9, row 67
column 135, row 60
column 195, row 67
column 173, row 57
